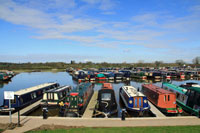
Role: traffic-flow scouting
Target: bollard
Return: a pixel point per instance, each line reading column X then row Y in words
column 199, row 113
column 123, row 114
column 45, row 111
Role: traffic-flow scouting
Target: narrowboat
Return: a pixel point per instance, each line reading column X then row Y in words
column 181, row 75
column 139, row 75
column 5, row 77
column 91, row 76
column 28, row 96
column 78, row 98
column 188, row 99
column 52, row 97
column 106, row 102
column 118, row 76
column 109, row 75
column 155, row 75
column 126, row 74
column 166, row 75
column 80, row 76
column 164, row 100
column 173, row 74
column 134, row 100
column 100, row 76
column 190, row 84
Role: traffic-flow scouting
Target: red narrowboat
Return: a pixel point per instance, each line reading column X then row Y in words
column 163, row 99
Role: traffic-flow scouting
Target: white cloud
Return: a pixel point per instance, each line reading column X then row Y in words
column 145, row 29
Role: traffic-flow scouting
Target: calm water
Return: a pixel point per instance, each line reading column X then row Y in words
column 25, row 80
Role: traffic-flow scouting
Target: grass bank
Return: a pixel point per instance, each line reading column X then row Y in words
column 167, row 129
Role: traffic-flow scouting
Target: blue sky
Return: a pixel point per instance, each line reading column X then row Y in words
column 99, row 30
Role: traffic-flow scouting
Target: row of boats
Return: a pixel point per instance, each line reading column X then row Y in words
column 169, row 99
column 71, row 102
column 127, row 74
column 6, row 75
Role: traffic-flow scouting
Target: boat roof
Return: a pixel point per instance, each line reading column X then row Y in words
column 27, row 90
column 132, row 91
column 81, row 88
column 107, row 86
column 176, row 88
column 195, row 89
column 157, row 89
column 58, row 89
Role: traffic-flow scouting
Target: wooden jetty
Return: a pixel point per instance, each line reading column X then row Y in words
column 29, row 108
column 91, row 106
column 155, row 111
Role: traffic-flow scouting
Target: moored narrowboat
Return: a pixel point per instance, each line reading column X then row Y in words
column 190, row 84
column 154, row 74
column 100, row 76
column 188, row 99
column 118, row 76
column 78, row 98
column 134, row 100
column 106, row 102
column 163, row 99
column 53, row 97
column 28, row 96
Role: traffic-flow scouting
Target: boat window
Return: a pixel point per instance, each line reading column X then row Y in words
column 168, row 97
column 177, row 95
column 50, row 96
column 61, row 95
column 21, row 100
column 106, row 96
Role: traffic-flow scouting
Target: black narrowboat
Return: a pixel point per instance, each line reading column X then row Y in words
column 106, row 102
column 118, row 76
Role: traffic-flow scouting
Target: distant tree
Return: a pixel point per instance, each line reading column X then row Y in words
column 140, row 63
column 73, row 62
column 196, row 60
column 158, row 63
column 180, row 63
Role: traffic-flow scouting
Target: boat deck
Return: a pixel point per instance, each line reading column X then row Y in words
column 155, row 111
column 29, row 108
column 90, row 108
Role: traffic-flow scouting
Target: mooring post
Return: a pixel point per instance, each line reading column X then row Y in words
column 10, row 111
column 123, row 117
column 18, row 118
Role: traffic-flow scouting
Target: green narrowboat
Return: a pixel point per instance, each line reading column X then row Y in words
column 139, row 75
column 188, row 99
column 78, row 99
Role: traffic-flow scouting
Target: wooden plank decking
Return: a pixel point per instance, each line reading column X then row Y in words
column 90, row 108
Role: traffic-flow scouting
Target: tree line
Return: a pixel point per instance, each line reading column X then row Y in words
column 89, row 64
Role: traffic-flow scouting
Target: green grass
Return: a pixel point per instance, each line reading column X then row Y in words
column 169, row 129
column 1, row 130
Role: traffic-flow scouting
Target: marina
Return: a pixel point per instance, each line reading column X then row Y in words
column 64, row 78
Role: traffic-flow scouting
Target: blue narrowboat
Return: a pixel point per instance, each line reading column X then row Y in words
column 134, row 100
column 27, row 96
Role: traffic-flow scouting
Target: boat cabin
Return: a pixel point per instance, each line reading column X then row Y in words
column 106, row 101
column 165, row 100
column 133, row 99
column 54, row 96
column 27, row 96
